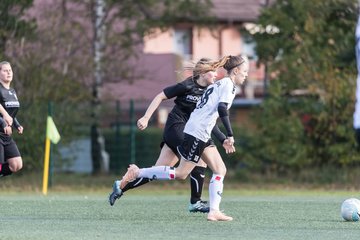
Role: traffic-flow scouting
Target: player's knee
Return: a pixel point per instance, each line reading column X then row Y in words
column 15, row 165
column 19, row 166
column 221, row 171
column 15, row 169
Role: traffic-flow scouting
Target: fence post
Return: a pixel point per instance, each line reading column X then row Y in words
column 117, row 136
column 132, row 132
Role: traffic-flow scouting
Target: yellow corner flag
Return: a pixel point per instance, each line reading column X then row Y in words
column 51, row 131
column 52, row 135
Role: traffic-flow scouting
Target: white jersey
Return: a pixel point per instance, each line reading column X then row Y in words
column 357, row 51
column 203, row 119
column 357, row 105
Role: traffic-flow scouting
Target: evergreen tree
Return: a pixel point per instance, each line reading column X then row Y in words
column 306, row 119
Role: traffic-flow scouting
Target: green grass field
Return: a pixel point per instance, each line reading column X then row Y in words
column 159, row 214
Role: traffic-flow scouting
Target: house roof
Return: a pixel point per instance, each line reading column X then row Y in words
column 157, row 72
column 238, row 10
column 160, row 68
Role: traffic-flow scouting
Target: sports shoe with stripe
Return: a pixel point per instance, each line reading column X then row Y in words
column 116, row 193
column 199, row 206
column 216, row 215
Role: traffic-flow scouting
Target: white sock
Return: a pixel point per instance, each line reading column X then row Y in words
column 215, row 191
column 158, row 172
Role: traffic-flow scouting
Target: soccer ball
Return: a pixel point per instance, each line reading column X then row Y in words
column 350, row 209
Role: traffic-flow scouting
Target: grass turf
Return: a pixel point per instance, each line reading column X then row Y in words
column 163, row 215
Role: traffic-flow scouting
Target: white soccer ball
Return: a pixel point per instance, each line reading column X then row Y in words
column 350, row 209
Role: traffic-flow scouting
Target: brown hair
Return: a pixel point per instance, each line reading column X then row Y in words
column 233, row 62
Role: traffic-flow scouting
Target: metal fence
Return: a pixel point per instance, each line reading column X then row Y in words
column 124, row 143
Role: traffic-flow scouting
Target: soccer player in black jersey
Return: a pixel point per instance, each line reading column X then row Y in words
column 187, row 94
column 10, row 158
column 214, row 104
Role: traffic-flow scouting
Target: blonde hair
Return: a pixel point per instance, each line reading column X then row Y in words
column 205, row 65
column 4, row 63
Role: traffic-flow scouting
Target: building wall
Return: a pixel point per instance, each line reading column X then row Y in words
column 155, row 72
column 209, row 43
column 159, row 60
column 159, row 42
column 231, row 41
column 205, row 44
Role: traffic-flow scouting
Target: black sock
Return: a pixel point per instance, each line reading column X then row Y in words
column 5, row 170
column 136, row 183
column 197, row 176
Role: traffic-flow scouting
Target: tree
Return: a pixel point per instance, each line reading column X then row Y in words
column 97, row 142
column 88, row 43
column 309, row 46
column 12, row 26
column 136, row 19
column 49, row 66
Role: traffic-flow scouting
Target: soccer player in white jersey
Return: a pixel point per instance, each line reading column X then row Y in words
column 186, row 93
column 357, row 104
column 214, row 103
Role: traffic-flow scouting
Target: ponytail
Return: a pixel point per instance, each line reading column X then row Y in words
column 233, row 62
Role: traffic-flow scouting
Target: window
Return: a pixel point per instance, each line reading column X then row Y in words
column 249, row 49
column 183, row 42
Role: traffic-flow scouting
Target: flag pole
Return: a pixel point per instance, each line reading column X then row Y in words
column 46, row 166
column 47, row 154
column 52, row 136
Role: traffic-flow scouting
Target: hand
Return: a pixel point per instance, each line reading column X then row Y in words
column 8, row 119
column 20, row 129
column 228, row 146
column 8, row 130
column 231, row 140
column 142, row 123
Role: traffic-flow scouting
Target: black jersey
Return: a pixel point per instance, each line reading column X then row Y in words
column 10, row 102
column 187, row 93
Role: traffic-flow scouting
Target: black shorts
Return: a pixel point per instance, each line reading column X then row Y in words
column 173, row 136
column 192, row 148
column 8, row 150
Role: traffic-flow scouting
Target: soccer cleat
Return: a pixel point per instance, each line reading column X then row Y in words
column 216, row 215
column 116, row 193
column 199, row 206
